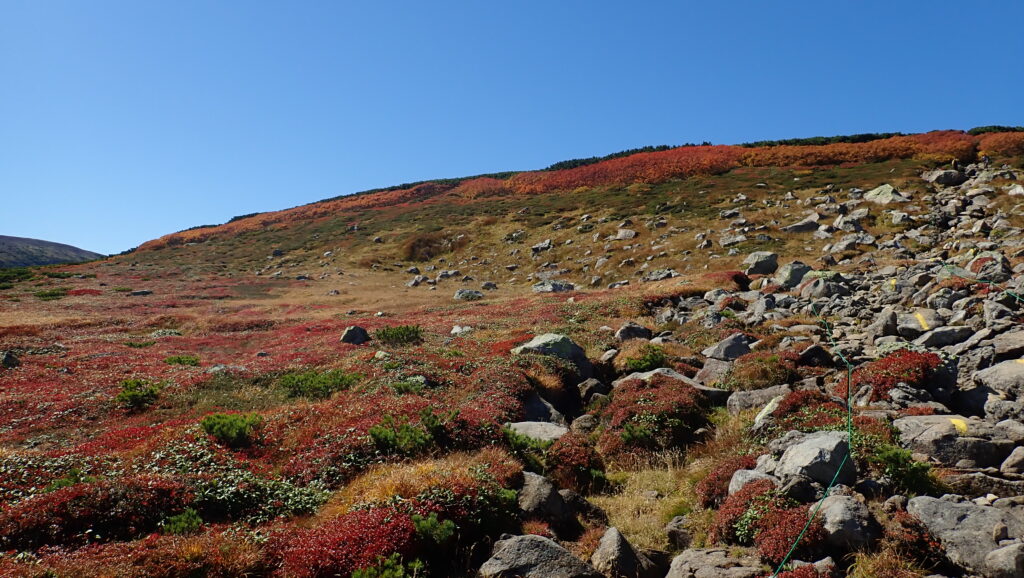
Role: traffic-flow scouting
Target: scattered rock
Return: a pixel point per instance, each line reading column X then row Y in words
column 355, row 335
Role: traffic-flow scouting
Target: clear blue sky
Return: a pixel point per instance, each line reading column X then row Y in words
column 121, row 121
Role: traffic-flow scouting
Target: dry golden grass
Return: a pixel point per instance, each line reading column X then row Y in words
column 885, row 563
column 640, row 517
column 408, row 480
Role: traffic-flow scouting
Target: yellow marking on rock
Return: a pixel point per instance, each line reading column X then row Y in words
column 920, row 319
column 959, row 424
column 892, row 283
column 1019, row 360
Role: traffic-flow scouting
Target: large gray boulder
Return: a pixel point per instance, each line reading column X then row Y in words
column 558, row 346
column 913, row 325
column 741, row 401
column 848, row 523
column 714, row 563
column 761, row 263
column 1006, row 562
column 805, row 225
column 818, row 456
column 965, row 529
column 884, row 195
column 1006, row 377
column 791, row 274
column 730, row 348
column 540, row 498
column 552, row 286
column 631, row 330
column 954, row 439
column 946, row 178
column 467, row 295
column 355, row 335
column 534, row 557
column 617, row 558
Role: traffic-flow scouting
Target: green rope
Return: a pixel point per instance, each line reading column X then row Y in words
column 849, row 444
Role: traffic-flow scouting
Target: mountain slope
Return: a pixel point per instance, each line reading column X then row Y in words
column 23, row 252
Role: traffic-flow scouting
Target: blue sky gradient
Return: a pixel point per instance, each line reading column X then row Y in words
column 121, row 121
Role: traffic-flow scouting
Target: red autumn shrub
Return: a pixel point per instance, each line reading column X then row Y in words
column 761, row 369
column 1002, row 143
column 723, row 529
column 715, row 486
column 650, row 167
column 85, row 292
column 779, row 530
column 347, row 543
column 911, row 367
column 657, row 414
column 573, row 462
column 912, row 538
column 808, row 410
column 115, row 509
column 917, row 410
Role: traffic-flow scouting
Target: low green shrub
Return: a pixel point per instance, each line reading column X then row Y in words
column 400, row 335
column 407, row 439
column 907, row 475
column 139, row 344
column 187, row 522
column 316, row 384
column 232, row 429
column 651, row 357
column 531, row 452
column 138, row 394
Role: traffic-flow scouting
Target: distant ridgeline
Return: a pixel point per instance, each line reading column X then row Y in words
column 648, row 165
column 22, row 252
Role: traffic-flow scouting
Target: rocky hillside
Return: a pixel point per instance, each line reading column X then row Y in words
column 751, row 371
column 22, row 252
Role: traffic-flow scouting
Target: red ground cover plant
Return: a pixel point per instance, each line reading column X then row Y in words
column 347, row 543
column 85, row 292
column 659, row 413
column 913, row 539
column 779, row 530
column 911, row 367
column 808, row 410
column 723, row 529
column 715, row 486
column 116, row 509
column 573, row 462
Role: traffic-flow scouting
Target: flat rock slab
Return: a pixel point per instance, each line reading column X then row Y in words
column 964, row 528
column 714, row 563
column 539, row 430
